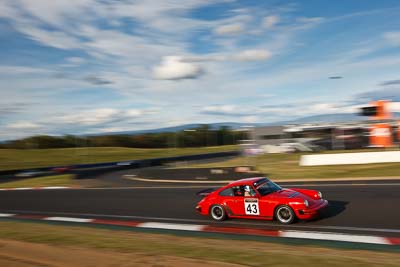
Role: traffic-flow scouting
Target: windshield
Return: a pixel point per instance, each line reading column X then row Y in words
column 268, row 187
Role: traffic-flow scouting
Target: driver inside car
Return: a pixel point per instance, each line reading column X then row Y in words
column 248, row 191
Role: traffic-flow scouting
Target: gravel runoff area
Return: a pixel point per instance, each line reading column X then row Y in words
column 25, row 254
column 32, row 244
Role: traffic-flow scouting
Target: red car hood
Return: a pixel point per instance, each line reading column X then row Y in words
column 289, row 193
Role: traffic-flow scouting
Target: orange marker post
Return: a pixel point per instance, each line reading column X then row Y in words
column 381, row 135
column 382, row 111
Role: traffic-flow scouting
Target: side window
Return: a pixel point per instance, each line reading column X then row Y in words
column 249, row 191
column 238, row 191
column 226, row 192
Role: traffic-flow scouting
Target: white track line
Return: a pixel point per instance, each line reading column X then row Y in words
column 326, row 236
column 35, row 188
column 54, row 187
column 335, row 237
column 177, row 181
column 214, row 185
column 22, row 188
column 230, row 223
column 146, row 187
column 342, row 185
column 68, row 219
column 171, row 226
column 185, row 187
column 340, row 179
column 366, row 229
column 278, row 181
column 2, row 215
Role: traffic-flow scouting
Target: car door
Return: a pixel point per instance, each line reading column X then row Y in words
column 251, row 201
column 266, row 205
column 242, row 204
column 256, row 206
column 233, row 199
column 251, row 206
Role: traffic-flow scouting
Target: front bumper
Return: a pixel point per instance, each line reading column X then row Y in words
column 311, row 212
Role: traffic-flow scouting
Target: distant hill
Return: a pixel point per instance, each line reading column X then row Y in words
column 326, row 118
column 318, row 119
column 213, row 126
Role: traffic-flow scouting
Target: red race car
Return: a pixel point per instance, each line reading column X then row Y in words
column 260, row 198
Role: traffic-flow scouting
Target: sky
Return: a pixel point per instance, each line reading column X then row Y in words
column 94, row 66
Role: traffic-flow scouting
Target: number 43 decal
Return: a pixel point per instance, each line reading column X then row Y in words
column 251, row 207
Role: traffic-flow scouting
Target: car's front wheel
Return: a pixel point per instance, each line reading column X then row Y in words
column 285, row 214
column 218, row 213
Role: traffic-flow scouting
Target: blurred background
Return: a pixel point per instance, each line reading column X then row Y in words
column 149, row 102
column 95, row 67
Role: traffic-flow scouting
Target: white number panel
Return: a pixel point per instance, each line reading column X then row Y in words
column 251, row 206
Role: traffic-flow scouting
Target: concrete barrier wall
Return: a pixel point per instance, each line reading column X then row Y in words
column 350, row 158
column 95, row 168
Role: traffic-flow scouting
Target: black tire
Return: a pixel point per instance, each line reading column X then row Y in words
column 217, row 212
column 285, row 214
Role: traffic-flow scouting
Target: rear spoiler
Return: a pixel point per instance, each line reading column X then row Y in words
column 205, row 192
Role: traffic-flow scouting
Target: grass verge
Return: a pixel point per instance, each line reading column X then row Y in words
column 54, row 180
column 13, row 159
column 249, row 253
column 286, row 166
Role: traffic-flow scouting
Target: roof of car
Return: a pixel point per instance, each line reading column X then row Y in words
column 247, row 181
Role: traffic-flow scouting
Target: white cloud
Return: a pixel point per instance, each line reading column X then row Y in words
column 253, row 55
column 392, row 38
column 103, row 116
column 387, row 93
column 126, row 44
column 6, row 10
column 83, row 122
column 139, row 113
column 223, row 110
column 229, row 29
column 56, row 12
column 92, row 117
column 75, row 60
column 173, row 68
column 220, row 108
column 310, row 20
column 308, row 108
column 134, row 112
column 281, row 111
column 55, row 39
column 112, row 129
column 394, row 106
column 19, row 70
column 250, row 119
column 322, row 108
column 163, row 16
column 270, row 21
column 23, row 125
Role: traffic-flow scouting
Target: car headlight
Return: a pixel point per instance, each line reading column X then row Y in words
column 320, row 194
column 305, row 202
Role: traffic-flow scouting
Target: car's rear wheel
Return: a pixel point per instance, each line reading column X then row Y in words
column 285, row 214
column 218, row 213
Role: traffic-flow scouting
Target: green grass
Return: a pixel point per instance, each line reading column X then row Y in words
column 55, row 180
column 11, row 159
column 286, row 166
column 249, row 253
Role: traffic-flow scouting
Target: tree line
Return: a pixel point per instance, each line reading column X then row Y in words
column 197, row 137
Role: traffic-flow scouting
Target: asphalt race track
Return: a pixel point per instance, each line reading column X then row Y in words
column 362, row 207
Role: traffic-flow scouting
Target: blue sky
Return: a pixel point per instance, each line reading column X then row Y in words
column 88, row 66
